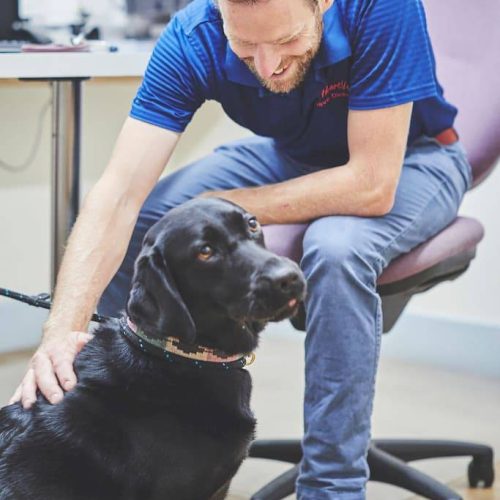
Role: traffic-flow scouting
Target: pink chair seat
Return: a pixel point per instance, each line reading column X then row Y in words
column 461, row 236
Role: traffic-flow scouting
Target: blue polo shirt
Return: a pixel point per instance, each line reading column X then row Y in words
column 373, row 54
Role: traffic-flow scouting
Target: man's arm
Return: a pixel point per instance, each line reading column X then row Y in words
column 365, row 186
column 95, row 250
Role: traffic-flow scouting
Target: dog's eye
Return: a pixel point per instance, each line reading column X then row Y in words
column 206, row 251
column 253, row 224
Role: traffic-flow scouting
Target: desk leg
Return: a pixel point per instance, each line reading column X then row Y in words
column 66, row 127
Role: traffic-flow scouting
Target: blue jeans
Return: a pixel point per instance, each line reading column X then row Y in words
column 343, row 257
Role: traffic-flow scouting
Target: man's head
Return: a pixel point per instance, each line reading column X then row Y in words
column 277, row 39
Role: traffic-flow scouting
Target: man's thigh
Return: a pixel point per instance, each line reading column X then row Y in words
column 432, row 184
column 248, row 162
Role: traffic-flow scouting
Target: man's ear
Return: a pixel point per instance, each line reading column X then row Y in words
column 155, row 304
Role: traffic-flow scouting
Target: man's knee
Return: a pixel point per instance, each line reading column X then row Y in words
column 340, row 246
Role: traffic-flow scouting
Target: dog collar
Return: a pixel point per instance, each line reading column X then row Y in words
column 171, row 349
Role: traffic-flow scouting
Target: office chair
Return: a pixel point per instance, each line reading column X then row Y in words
column 466, row 41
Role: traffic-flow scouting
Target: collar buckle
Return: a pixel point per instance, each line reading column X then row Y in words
column 249, row 359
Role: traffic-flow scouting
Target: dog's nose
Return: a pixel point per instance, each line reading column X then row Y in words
column 283, row 279
column 287, row 281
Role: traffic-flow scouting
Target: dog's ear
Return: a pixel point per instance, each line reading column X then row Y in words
column 155, row 304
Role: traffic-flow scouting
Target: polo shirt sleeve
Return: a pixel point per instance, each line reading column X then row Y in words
column 174, row 85
column 392, row 59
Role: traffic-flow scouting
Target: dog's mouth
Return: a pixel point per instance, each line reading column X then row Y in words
column 286, row 311
column 273, row 292
column 263, row 311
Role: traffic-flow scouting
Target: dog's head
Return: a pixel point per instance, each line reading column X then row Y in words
column 205, row 276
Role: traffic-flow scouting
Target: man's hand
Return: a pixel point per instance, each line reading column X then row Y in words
column 51, row 368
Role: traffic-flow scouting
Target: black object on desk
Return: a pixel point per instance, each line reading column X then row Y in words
column 9, row 15
column 14, row 30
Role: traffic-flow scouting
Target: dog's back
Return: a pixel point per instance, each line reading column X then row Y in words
column 128, row 430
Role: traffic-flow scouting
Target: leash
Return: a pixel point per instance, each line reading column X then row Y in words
column 42, row 300
column 141, row 341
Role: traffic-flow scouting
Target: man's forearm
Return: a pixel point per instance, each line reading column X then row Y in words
column 98, row 243
column 94, row 252
column 335, row 191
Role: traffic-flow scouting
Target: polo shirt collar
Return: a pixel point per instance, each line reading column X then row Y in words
column 335, row 45
column 334, row 48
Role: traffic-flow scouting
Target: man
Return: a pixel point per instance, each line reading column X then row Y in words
column 352, row 135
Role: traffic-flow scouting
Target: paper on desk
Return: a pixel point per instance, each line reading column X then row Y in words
column 55, row 47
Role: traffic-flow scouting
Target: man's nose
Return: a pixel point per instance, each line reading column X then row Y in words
column 266, row 60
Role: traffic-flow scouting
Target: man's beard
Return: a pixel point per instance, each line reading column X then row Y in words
column 301, row 66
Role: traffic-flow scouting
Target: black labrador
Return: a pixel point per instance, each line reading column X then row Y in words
column 161, row 409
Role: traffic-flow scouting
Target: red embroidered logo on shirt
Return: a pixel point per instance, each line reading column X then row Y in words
column 333, row 91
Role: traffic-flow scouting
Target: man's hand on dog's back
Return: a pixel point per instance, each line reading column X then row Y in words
column 51, row 368
column 95, row 249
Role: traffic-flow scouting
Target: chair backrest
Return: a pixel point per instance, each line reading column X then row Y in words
column 466, row 39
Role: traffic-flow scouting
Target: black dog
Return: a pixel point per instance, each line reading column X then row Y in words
column 151, row 418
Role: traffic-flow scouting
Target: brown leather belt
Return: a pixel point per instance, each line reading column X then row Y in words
column 447, row 137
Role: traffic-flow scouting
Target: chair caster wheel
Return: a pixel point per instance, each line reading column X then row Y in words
column 480, row 473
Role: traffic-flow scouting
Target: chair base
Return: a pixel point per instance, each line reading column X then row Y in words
column 387, row 461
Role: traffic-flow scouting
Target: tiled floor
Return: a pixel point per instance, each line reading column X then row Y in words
column 412, row 401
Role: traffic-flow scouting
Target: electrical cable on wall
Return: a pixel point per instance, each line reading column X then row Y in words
column 34, row 149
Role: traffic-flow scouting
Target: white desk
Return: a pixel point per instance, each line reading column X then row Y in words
column 130, row 60
column 65, row 72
